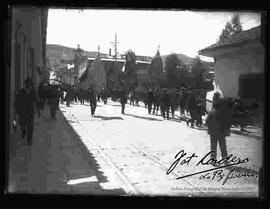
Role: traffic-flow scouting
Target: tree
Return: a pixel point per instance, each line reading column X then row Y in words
column 182, row 75
column 227, row 31
column 172, row 62
column 197, row 66
column 236, row 24
column 130, row 61
column 231, row 28
column 197, row 71
column 155, row 69
column 130, row 75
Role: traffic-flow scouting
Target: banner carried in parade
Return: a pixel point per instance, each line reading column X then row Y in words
column 96, row 76
column 155, row 68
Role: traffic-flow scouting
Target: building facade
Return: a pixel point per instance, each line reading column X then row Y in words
column 239, row 64
column 114, row 69
column 28, row 26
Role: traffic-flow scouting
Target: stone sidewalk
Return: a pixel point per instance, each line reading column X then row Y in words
column 56, row 162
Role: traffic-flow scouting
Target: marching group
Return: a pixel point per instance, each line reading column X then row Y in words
column 168, row 101
column 165, row 101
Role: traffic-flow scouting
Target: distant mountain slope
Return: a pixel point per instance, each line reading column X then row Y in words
column 63, row 52
column 57, row 52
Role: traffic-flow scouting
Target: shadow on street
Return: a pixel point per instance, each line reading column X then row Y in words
column 141, row 117
column 246, row 133
column 89, row 158
column 115, row 105
column 108, row 118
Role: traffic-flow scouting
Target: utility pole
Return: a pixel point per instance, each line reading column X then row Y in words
column 115, row 46
column 115, row 53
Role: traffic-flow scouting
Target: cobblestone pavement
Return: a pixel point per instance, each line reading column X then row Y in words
column 141, row 147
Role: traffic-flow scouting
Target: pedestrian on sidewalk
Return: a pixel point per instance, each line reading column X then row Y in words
column 80, row 96
column 173, row 102
column 240, row 114
column 68, row 97
column 41, row 98
column 200, row 111
column 156, row 102
column 123, row 100
column 191, row 107
column 93, row 100
column 131, row 98
column 165, row 104
column 104, row 95
column 61, row 95
column 25, row 103
column 219, row 123
column 54, row 101
column 150, row 100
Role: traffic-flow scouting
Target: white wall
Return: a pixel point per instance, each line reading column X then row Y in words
column 229, row 67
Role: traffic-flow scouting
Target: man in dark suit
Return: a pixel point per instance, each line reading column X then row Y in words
column 123, row 100
column 25, row 103
column 93, row 100
column 150, row 100
column 54, row 101
column 219, row 123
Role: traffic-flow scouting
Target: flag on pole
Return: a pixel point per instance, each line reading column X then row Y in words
column 155, row 68
column 96, row 77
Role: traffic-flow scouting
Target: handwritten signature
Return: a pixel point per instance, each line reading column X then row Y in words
column 183, row 159
column 220, row 174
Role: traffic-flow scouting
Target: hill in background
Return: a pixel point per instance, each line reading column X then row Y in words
column 58, row 51
column 55, row 53
column 189, row 60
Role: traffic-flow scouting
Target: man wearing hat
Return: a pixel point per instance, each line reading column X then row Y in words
column 25, row 103
column 93, row 100
column 123, row 100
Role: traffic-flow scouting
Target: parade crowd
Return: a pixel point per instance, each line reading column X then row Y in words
column 164, row 102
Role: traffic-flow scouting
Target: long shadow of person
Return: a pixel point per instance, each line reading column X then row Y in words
column 142, row 117
column 108, row 118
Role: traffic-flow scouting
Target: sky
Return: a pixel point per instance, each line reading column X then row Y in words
column 142, row 31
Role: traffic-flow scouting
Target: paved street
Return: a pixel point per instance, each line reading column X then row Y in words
column 58, row 145
column 56, row 163
column 135, row 150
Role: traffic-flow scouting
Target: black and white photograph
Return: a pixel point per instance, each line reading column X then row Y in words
column 135, row 102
